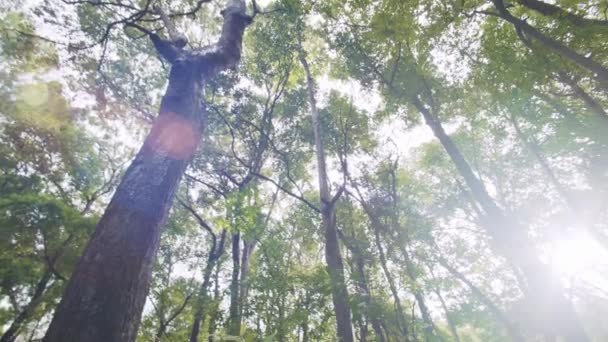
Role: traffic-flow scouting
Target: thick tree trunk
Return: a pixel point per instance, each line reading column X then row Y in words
column 333, row 258
column 601, row 73
column 544, row 293
column 105, row 296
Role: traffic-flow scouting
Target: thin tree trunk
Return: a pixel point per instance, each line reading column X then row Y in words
column 363, row 288
column 216, row 303
column 333, row 259
column 450, row 321
column 105, row 296
column 419, row 296
column 41, row 288
column 535, row 149
column 591, row 104
column 543, row 292
column 199, row 314
column 366, row 292
column 403, row 326
column 601, row 73
column 234, row 319
column 10, row 335
column 513, row 332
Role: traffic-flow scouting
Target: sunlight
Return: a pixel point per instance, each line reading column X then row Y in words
column 580, row 258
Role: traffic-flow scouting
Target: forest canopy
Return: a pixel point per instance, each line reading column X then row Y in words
column 299, row 170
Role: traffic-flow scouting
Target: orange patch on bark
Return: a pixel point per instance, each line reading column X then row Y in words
column 174, row 136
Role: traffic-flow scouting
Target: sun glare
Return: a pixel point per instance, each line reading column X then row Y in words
column 580, row 258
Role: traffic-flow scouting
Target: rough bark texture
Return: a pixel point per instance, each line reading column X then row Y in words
column 543, row 292
column 333, row 258
column 105, row 296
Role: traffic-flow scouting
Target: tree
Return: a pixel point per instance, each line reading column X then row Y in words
column 106, row 293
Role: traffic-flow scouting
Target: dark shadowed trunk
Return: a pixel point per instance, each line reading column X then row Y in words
column 333, row 258
column 551, row 10
column 543, row 292
column 105, row 296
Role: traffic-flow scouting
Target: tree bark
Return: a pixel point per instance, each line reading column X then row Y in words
column 601, row 73
column 333, row 258
column 557, row 12
column 544, row 293
column 105, row 296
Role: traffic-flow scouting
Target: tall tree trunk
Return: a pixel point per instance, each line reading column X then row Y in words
column 574, row 208
column 591, row 104
column 10, row 335
column 333, row 259
column 601, row 73
column 41, row 288
column 363, row 289
column 403, row 326
column 557, row 12
column 533, row 147
column 512, row 330
column 368, row 299
column 544, row 293
column 216, row 303
column 234, row 319
column 203, row 298
column 105, row 296
column 446, row 311
column 429, row 328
